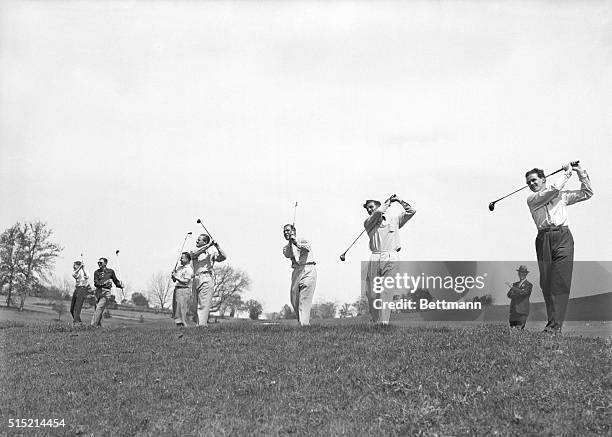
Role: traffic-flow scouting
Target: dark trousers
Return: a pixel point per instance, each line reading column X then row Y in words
column 518, row 323
column 555, row 250
column 79, row 295
column 174, row 304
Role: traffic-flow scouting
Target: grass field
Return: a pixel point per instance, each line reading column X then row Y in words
column 352, row 379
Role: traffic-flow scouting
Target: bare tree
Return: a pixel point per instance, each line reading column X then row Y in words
column 27, row 256
column 10, row 255
column 39, row 255
column 228, row 282
column 160, row 290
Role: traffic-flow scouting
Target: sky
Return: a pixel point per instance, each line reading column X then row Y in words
column 122, row 123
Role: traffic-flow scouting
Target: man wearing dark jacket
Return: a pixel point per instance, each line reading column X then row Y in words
column 103, row 281
column 519, row 299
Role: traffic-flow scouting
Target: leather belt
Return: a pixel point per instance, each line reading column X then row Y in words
column 552, row 229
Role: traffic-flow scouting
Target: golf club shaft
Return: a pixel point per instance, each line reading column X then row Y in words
column 522, row 188
column 342, row 257
column 119, row 270
column 206, row 230
column 294, row 212
column 181, row 252
column 358, row 236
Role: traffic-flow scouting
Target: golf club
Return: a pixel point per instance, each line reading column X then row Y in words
column 200, row 222
column 343, row 256
column 181, row 252
column 294, row 212
column 120, row 275
column 492, row 204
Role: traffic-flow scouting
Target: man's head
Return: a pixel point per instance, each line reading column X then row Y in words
column 371, row 205
column 185, row 258
column 288, row 231
column 522, row 272
column 76, row 265
column 536, row 179
column 203, row 240
column 102, row 263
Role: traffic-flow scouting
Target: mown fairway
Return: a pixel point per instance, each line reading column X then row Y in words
column 245, row 378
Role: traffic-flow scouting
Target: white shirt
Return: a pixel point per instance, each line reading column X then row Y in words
column 184, row 273
column 205, row 261
column 82, row 277
column 549, row 206
column 384, row 231
column 302, row 254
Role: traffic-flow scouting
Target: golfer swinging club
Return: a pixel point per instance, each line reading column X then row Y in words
column 203, row 281
column 304, row 275
column 554, row 243
column 385, row 245
column 104, row 278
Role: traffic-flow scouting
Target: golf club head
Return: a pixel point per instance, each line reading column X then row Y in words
column 117, row 252
column 199, row 221
column 342, row 257
column 491, row 206
column 189, row 233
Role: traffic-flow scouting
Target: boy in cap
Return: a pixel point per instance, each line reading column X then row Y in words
column 81, row 290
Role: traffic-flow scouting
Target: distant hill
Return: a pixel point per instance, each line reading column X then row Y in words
column 595, row 307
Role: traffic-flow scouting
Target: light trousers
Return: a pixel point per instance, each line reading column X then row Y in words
column 303, row 284
column 204, row 285
column 101, row 303
column 182, row 296
column 381, row 264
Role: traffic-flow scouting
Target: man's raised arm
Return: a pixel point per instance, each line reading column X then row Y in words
column 586, row 190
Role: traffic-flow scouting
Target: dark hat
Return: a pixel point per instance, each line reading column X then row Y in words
column 376, row 202
column 522, row 269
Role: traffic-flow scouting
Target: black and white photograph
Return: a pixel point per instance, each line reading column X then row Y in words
column 339, row 218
